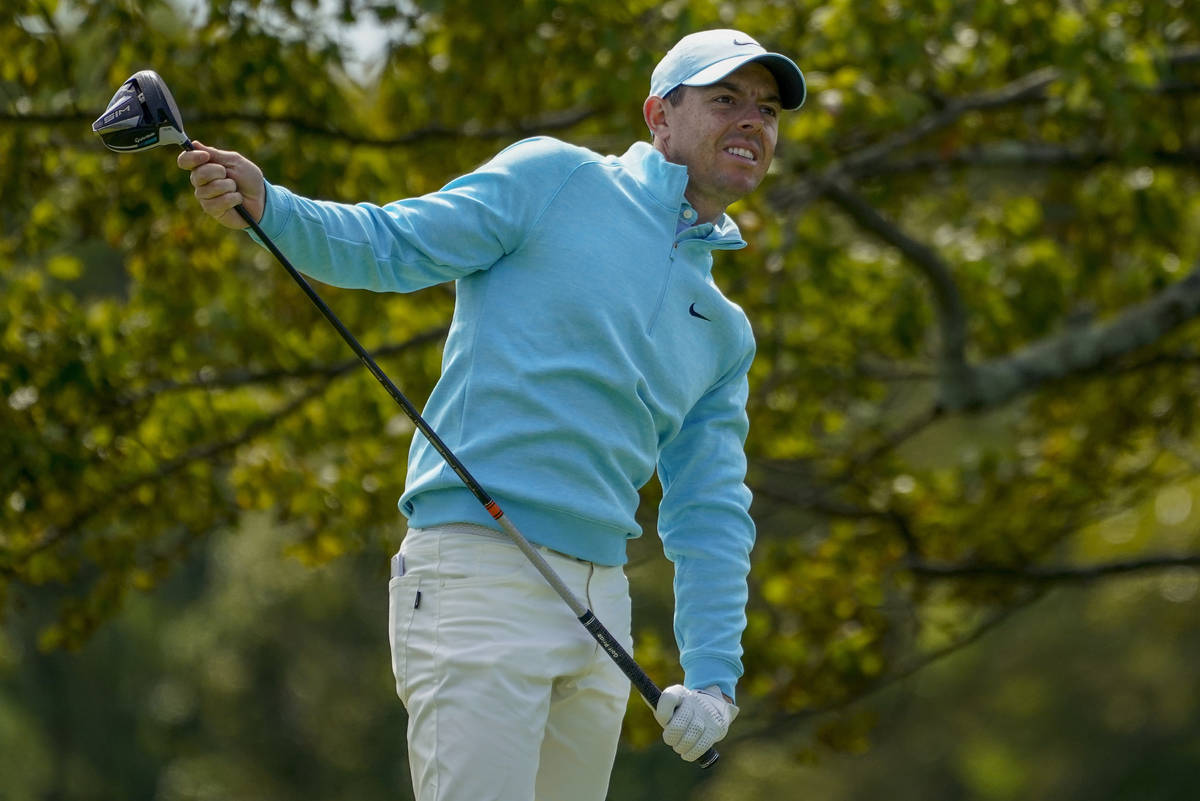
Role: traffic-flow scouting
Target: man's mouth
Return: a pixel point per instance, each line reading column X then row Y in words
column 741, row 152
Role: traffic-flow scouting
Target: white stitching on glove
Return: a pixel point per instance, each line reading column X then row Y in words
column 693, row 720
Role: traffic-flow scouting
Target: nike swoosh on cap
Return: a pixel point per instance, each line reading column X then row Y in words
column 692, row 311
column 743, row 44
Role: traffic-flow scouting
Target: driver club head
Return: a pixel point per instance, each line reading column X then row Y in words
column 141, row 115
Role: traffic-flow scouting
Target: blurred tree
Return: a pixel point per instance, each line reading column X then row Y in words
column 973, row 274
column 244, row 677
column 1088, row 695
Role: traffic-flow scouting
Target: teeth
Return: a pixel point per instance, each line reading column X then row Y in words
column 741, row 151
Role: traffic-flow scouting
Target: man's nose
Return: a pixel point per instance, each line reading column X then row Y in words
column 752, row 120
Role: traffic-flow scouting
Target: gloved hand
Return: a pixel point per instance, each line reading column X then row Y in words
column 693, row 720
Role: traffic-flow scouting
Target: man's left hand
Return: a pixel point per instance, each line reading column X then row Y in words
column 693, row 720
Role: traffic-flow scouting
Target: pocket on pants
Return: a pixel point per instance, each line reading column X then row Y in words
column 404, row 595
column 480, row 562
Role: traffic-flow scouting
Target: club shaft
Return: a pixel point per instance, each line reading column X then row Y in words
column 637, row 676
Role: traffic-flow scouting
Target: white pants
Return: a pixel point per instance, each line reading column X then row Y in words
column 508, row 696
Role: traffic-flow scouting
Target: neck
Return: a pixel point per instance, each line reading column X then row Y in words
column 706, row 210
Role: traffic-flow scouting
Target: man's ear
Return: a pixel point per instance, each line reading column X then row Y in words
column 654, row 110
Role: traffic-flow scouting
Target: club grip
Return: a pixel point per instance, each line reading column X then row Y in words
column 644, row 684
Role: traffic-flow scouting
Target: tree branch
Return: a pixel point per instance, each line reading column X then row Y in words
column 1019, row 154
column 796, row 195
column 1079, row 349
column 235, row 379
column 1052, row 575
column 1184, row 54
column 552, row 121
column 951, row 311
column 1028, row 87
column 819, row 499
column 1032, row 87
column 1076, row 350
column 781, row 724
column 113, row 496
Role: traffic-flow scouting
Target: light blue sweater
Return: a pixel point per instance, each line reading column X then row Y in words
column 589, row 347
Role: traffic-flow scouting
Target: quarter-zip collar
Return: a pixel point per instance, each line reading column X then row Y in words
column 666, row 183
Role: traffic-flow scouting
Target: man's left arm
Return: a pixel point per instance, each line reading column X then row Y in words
column 706, row 529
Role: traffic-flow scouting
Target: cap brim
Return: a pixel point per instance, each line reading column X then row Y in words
column 788, row 76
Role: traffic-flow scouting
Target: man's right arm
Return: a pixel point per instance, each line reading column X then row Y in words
column 467, row 226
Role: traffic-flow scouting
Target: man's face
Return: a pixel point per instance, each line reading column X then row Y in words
column 724, row 134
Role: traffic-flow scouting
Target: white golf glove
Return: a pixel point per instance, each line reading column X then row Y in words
column 693, row 720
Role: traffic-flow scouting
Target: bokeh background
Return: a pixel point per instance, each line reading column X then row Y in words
column 974, row 276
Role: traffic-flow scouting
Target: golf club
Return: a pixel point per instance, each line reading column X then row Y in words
column 143, row 115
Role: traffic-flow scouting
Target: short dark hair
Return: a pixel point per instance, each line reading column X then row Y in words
column 675, row 96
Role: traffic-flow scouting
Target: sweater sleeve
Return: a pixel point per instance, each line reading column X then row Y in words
column 706, row 529
column 468, row 225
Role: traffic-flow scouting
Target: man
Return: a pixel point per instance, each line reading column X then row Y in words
column 589, row 347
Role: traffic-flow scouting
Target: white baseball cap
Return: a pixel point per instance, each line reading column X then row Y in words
column 700, row 59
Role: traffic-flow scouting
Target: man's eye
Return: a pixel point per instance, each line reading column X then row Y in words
column 770, row 111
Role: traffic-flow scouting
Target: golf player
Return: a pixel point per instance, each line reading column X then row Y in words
column 589, row 348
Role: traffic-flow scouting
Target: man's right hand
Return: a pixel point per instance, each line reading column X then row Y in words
column 224, row 179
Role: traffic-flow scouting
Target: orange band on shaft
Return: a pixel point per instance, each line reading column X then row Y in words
column 494, row 510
